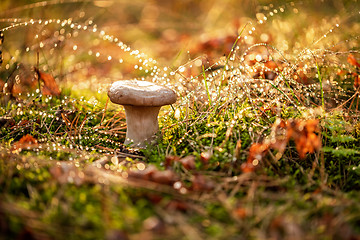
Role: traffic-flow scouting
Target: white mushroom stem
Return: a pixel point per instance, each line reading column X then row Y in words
column 142, row 124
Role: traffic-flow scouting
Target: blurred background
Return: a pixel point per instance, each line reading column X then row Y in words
column 79, row 40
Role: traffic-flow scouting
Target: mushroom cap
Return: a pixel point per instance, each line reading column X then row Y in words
column 140, row 93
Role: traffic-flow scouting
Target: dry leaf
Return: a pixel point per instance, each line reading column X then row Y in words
column 50, row 87
column 240, row 212
column 352, row 60
column 304, row 135
column 26, row 142
column 257, row 151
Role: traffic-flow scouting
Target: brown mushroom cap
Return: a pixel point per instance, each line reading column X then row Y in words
column 140, row 93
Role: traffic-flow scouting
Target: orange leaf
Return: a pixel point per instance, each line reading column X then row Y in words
column 241, row 212
column 304, row 135
column 247, row 167
column 50, row 87
column 352, row 60
column 26, row 142
column 257, row 151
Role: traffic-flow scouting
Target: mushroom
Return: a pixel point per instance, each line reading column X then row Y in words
column 142, row 101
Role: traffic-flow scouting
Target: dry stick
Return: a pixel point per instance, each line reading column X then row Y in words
column 103, row 116
column 82, row 124
column 347, row 101
column 67, row 122
column 118, row 120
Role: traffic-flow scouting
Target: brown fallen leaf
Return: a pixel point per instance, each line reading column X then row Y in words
column 304, row 134
column 352, row 60
column 257, row 151
column 50, row 87
column 26, row 142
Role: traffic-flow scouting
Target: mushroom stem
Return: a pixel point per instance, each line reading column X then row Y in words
column 142, row 124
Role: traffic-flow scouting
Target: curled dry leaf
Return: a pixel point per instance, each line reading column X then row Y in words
column 256, row 153
column 50, row 87
column 26, row 142
column 187, row 162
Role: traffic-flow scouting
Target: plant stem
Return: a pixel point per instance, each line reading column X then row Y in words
column 206, row 86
